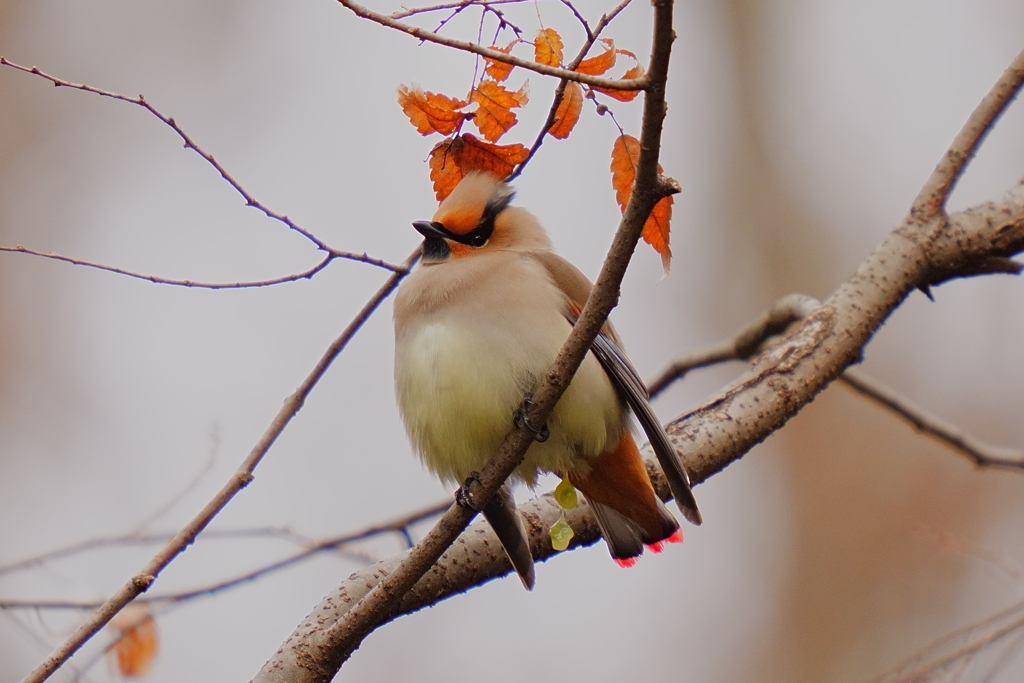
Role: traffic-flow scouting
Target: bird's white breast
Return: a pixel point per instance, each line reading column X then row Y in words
column 472, row 338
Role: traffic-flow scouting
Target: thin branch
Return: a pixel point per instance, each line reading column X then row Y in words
column 783, row 312
column 399, row 525
column 560, row 90
column 78, row 673
column 190, row 144
column 983, row 454
column 792, row 308
column 931, row 201
column 955, row 647
column 641, row 83
column 242, row 477
column 184, row 490
column 452, row 5
column 591, row 37
column 304, row 275
column 192, row 284
column 124, row 540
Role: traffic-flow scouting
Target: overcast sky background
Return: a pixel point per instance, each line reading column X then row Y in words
column 800, row 132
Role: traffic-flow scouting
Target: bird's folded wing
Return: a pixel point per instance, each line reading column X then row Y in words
column 633, row 390
column 608, row 349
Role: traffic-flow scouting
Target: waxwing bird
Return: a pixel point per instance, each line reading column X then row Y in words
column 477, row 325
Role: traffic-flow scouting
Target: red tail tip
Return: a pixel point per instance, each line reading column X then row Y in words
column 625, row 562
column 677, row 537
column 656, row 547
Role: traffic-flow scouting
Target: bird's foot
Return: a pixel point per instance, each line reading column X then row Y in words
column 520, row 418
column 467, row 493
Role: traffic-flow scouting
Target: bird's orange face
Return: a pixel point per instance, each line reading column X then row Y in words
column 465, row 222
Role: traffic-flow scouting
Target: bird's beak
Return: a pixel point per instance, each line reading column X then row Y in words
column 431, row 230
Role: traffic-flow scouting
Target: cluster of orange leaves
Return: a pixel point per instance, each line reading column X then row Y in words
column 460, row 153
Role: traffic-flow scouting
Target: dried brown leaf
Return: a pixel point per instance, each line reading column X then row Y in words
column 547, row 47
column 625, row 95
column 595, row 66
column 625, row 155
column 568, row 112
column 495, row 102
column 138, row 641
column 451, row 159
column 431, row 112
column 500, row 71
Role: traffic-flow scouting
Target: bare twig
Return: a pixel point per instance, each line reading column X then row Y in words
column 185, row 490
column 399, row 525
column 124, row 540
column 932, row 198
column 190, row 144
column 955, row 647
column 560, row 90
column 318, row 657
column 780, row 315
column 242, row 477
column 591, row 37
column 641, row 83
column 795, row 307
column 78, row 673
column 983, row 454
column 304, row 275
column 452, row 5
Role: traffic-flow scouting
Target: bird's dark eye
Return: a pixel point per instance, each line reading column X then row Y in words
column 477, row 239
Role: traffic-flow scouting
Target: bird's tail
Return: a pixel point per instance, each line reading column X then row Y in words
column 628, row 511
column 501, row 513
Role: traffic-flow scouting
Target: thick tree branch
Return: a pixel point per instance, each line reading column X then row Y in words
column 641, row 83
column 795, row 307
column 788, row 375
column 141, row 582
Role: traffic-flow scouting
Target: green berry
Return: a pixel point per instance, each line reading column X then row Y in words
column 561, row 533
column 565, row 494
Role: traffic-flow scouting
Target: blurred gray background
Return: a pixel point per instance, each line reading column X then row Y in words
column 800, row 131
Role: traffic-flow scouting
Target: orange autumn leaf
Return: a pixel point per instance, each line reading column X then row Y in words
column 568, row 112
column 625, row 155
column 499, row 71
column 656, row 231
column 495, row 102
column 138, row 642
column 625, row 95
column 547, row 47
column 431, row 112
column 595, row 66
column 454, row 158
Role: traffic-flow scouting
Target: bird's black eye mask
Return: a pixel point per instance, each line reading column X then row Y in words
column 435, row 246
